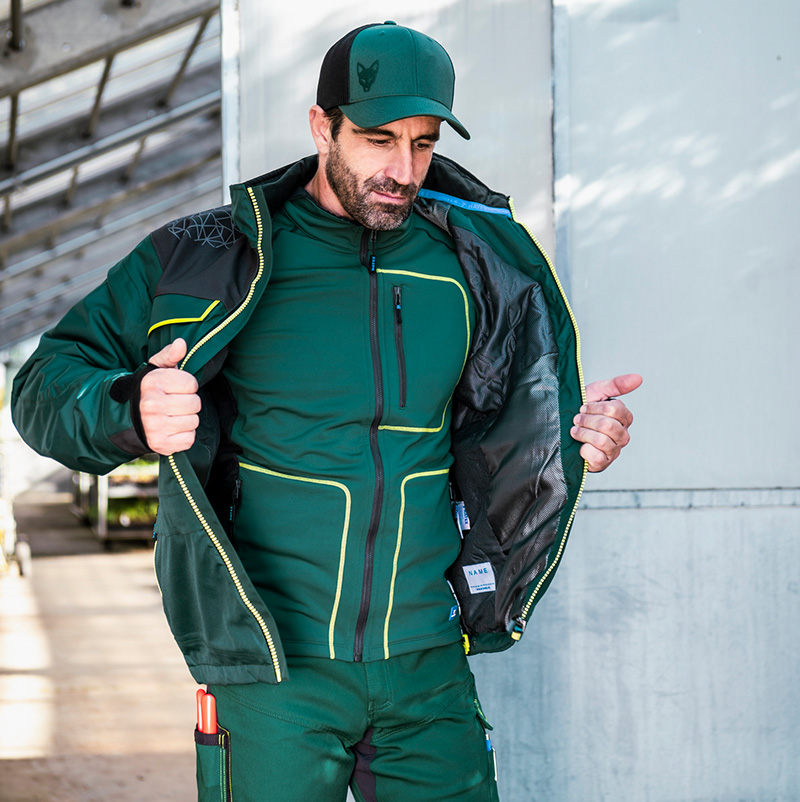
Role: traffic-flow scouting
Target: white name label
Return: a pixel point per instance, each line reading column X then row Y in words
column 480, row 577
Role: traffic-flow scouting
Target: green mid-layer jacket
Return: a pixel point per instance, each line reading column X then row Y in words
column 515, row 465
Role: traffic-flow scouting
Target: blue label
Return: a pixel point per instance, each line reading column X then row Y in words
column 453, row 612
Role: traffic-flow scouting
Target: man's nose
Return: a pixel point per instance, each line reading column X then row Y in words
column 401, row 166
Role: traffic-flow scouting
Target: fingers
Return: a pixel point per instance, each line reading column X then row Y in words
column 602, row 426
column 173, row 434
column 611, row 408
column 607, row 388
column 156, row 401
column 170, row 355
column 169, row 405
column 169, row 420
column 169, row 381
column 596, row 460
column 603, row 421
column 627, row 383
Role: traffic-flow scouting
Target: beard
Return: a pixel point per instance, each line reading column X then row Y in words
column 354, row 195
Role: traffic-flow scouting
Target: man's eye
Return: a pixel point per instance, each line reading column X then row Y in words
column 379, row 141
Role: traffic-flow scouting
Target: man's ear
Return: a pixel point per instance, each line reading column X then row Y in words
column 320, row 129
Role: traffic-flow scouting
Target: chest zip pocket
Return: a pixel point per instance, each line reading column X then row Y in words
column 398, row 343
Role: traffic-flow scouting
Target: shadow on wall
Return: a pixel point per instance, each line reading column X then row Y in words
column 678, row 180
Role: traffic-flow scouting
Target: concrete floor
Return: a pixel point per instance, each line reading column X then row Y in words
column 95, row 700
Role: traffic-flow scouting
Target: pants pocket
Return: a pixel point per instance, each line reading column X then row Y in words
column 213, row 766
column 490, row 753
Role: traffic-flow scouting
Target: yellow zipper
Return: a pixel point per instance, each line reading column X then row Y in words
column 231, row 570
column 192, row 503
column 527, row 608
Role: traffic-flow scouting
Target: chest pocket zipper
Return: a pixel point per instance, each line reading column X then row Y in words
column 398, row 342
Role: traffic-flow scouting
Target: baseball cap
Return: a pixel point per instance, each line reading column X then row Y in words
column 383, row 72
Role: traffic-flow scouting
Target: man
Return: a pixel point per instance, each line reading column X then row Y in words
column 369, row 342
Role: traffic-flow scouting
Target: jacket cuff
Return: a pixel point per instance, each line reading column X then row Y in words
column 127, row 390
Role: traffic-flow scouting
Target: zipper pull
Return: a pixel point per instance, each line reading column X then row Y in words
column 398, row 342
column 237, row 491
column 517, row 627
column 398, row 304
column 367, row 250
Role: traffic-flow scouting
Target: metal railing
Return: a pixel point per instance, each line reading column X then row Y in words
column 58, row 208
column 22, row 80
column 137, row 134
column 15, row 38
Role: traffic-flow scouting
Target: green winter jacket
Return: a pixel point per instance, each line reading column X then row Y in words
column 515, row 466
column 343, row 380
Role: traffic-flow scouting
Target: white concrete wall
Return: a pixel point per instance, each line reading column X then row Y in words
column 661, row 666
column 682, row 176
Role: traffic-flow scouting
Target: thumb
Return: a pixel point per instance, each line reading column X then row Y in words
column 608, row 388
column 170, row 355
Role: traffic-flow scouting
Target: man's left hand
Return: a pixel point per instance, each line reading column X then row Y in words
column 603, row 421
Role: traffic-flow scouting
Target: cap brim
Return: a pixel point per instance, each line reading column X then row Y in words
column 382, row 110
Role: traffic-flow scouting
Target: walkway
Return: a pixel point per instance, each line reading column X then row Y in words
column 95, row 700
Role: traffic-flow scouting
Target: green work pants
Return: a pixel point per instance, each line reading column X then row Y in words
column 406, row 729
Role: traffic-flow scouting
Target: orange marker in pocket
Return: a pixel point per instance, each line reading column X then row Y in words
column 206, row 712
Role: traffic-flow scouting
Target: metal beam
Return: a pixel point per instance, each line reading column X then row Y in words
column 165, row 99
column 70, row 34
column 16, row 40
column 13, row 121
column 30, row 316
column 80, row 215
column 202, row 105
column 91, row 126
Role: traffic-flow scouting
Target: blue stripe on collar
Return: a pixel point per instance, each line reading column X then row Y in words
column 461, row 203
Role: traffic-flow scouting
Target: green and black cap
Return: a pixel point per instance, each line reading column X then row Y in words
column 384, row 72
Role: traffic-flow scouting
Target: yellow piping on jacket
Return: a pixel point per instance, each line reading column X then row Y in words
column 397, row 549
column 466, row 352
column 182, row 319
column 343, row 547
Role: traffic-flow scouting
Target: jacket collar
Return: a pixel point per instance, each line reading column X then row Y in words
column 271, row 190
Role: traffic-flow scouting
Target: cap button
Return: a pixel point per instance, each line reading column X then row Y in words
column 390, row 22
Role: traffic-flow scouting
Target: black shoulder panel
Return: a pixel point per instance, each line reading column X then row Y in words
column 204, row 255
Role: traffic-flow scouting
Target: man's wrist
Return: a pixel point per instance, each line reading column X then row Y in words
column 128, row 389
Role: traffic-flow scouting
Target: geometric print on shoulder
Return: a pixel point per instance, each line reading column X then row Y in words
column 214, row 228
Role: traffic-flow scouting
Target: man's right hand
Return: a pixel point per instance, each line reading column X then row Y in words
column 169, row 405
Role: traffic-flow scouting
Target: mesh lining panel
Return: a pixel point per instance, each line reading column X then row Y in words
column 513, row 482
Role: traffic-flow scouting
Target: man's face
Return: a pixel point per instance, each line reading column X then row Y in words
column 375, row 173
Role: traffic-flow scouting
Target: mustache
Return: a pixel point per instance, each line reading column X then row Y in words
column 389, row 185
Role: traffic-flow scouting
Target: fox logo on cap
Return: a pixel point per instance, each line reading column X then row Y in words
column 367, row 75
column 416, row 77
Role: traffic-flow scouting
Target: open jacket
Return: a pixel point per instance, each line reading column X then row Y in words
column 516, row 467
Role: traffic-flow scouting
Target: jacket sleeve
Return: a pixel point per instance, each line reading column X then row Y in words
column 62, row 402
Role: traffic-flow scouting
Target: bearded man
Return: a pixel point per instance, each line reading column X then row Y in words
column 367, row 397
